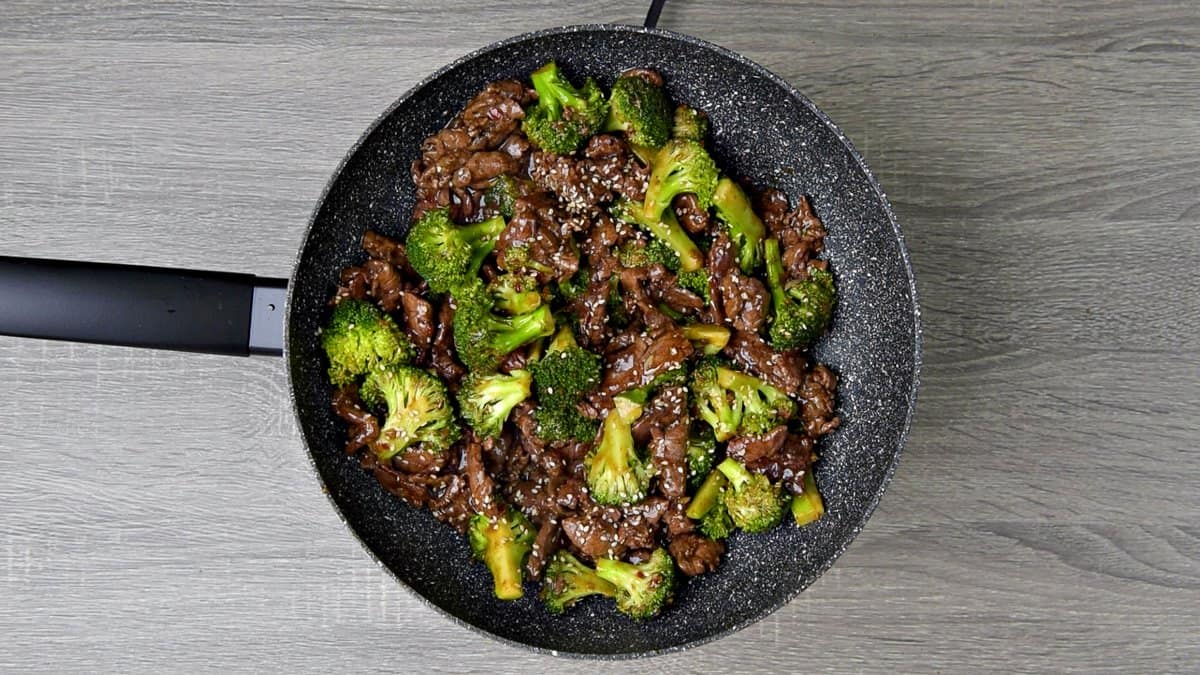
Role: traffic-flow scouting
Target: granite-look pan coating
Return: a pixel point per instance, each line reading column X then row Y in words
column 764, row 132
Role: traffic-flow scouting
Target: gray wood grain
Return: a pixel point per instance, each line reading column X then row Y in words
column 156, row 509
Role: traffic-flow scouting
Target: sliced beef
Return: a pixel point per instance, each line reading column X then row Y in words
column 593, row 533
column 532, row 241
column 412, row 488
column 817, row 392
column 788, row 464
column 744, row 300
column 616, row 167
column 575, row 182
column 781, row 369
column 494, row 114
column 362, row 427
column 696, row 554
column 544, row 546
column 676, row 520
column 451, row 501
column 800, row 232
column 418, row 322
column 690, row 214
column 441, row 352
column 353, row 284
column 384, row 283
column 756, row 449
column 668, row 443
column 483, row 488
column 592, row 309
column 418, row 460
column 388, row 250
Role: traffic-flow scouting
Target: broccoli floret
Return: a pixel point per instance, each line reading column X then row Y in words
column 689, row 124
column 515, row 293
column 754, row 504
column 616, row 474
column 418, row 410
column 664, row 227
column 695, row 281
column 701, row 454
column 733, row 402
column 763, row 405
column 713, row 403
column 642, row 590
column 802, row 310
column 503, row 544
column 708, row 338
column 562, row 376
column 679, row 167
column 745, row 228
column 808, row 506
column 641, row 110
column 639, row 253
column 568, row 581
column 504, row 192
column 483, row 338
column 563, row 116
column 486, row 400
column 360, row 338
column 448, row 255
column 716, row 524
column 575, row 286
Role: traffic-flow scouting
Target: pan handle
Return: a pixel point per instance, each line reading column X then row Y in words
column 212, row 312
column 652, row 15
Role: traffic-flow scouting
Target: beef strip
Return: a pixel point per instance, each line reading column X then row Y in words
column 690, row 214
column 363, row 428
column 483, row 489
column 781, row 369
column 696, row 554
column 384, row 283
column 419, row 460
column 817, row 393
column 676, row 521
column 418, row 322
column 593, row 533
column 412, row 488
column 576, row 182
column 788, row 464
column 617, row 169
column 388, row 250
column 756, row 449
column 534, row 227
column 744, row 300
column 800, row 232
column 668, row 443
column 451, row 502
column 353, row 284
column 441, row 351
column 544, row 546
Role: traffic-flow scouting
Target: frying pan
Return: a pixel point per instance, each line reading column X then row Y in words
column 763, row 130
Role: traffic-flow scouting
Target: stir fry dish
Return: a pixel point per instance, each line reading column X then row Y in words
column 588, row 355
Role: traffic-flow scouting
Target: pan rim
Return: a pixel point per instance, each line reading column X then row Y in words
column 917, row 353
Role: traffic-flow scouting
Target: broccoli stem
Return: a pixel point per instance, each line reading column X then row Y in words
column 486, row 233
column 746, row 228
column 808, row 506
column 525, row 328
column 707, row 496
column 670, row 232
column 735, row 472
column 774, row 269
column 710, row 338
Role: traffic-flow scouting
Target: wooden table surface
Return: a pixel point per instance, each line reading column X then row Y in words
column 157, row 510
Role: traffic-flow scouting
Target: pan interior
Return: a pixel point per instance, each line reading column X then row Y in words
column 763, row 133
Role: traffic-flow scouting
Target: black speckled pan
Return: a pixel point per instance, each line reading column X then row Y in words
column 764, row 131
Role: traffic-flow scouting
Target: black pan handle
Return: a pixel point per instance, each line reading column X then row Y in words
column 211, row 312
column 652, row 15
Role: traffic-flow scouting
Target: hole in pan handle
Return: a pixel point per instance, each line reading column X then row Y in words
column 211, row 312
